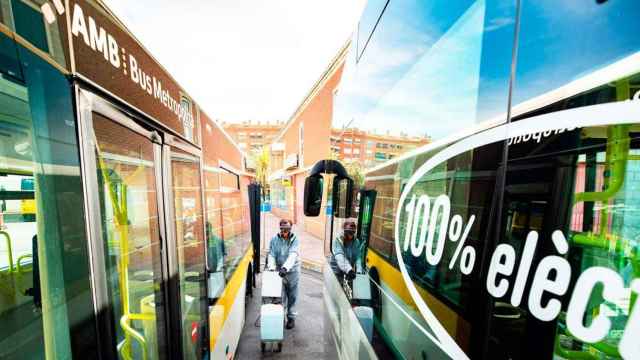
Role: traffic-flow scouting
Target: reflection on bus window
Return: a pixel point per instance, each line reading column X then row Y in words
column 463, row 48
column 190, row 242
column 126, row 174
column 227, row 225
column 43, row 251
column 26, row 19
column 550, row 52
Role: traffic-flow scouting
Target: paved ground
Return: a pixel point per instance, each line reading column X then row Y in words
column 306, row 341
column 311, row 248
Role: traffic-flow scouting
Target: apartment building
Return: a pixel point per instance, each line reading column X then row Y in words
column 251, row 136
column 303, row 141
column 369, row 148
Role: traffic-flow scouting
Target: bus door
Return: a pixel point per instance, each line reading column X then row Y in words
column 532, row 201
column 122, row 163
column 186, row 241
column 365, row 214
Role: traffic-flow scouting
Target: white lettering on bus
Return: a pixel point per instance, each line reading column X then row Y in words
column 613, row 288
column 94, row 36
column 549, row 281
column 99, row 40
column 551, row 275
column 537, row 136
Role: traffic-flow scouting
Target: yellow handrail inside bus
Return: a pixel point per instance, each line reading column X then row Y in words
column 124, row 323
column 122, row 225
column 19, row 262
column 9, row 252
column 617, row 156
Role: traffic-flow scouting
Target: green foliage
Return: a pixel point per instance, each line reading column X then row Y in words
column 261, row 158
column 356, row 172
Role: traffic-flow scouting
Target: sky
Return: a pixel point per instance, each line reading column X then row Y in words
column 243, row 59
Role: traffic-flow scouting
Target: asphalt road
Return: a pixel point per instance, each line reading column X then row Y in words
column 306, row 341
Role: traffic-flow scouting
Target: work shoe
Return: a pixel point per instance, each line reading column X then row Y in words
column 291, row 323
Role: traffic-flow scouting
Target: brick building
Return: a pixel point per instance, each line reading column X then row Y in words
column 304, row 140
column 251, row 136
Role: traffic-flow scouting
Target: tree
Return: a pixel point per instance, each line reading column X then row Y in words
column 356, row 172
column 261, row 159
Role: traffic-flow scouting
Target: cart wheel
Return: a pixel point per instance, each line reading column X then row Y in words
column 262, row 346
column 279, row 347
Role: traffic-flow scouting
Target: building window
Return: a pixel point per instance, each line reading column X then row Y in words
column 347, row 150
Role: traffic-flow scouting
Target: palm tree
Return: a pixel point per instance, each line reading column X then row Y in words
column 261, row 159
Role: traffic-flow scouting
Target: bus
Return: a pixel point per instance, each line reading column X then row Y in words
column 514, row 233
column 124, row 211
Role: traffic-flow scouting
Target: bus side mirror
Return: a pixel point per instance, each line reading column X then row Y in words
column 342, row 197
column 313, row 195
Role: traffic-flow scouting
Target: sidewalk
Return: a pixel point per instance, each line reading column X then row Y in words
column 311, row 247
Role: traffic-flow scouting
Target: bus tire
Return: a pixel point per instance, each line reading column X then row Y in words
column 279, row 349
column 263, row 346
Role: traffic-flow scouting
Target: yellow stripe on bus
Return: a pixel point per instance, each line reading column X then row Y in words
column 455, row 325
column 222, row 308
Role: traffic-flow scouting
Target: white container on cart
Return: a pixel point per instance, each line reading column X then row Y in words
column 271, row 312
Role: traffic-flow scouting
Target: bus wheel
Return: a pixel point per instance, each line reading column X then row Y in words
column 376, row 295
column 262, row 346
column 279, row 349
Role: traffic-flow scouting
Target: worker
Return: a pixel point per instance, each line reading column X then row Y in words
column 347, row 253
column 284, row 257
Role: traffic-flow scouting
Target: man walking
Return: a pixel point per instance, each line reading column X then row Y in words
column 284, row 257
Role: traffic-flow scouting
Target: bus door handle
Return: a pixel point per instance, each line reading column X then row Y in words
column 35, row 291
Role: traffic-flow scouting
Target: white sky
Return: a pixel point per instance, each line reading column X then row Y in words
column 243, row 59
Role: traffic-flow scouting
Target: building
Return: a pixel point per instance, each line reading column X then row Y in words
column 309, row 137
column 370, row 149
column 251, row 136
column 304, row 140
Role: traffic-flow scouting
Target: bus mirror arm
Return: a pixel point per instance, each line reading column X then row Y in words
column 313, row 185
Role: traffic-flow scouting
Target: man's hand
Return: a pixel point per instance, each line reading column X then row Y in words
column 351, row 275
column 282, row 272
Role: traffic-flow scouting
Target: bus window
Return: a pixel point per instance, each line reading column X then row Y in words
column 570, row 198
column 216, row 251
column 43, row 250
